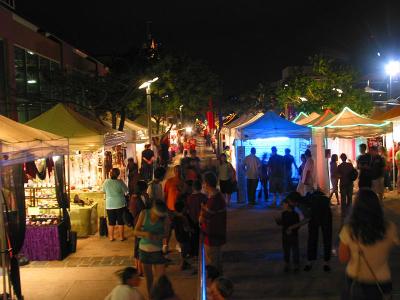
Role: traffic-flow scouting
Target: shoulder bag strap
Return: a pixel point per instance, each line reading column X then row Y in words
column 362, row 255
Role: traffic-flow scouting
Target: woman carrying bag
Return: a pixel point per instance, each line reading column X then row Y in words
column 227, row 178
column 365, row 245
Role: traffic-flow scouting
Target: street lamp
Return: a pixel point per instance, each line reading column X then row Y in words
column 147, row 85
column 392, row 69
column 180, row 112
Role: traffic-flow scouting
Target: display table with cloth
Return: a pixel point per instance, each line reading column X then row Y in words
column 84, row 219
column 47, row 242
column 98, row 197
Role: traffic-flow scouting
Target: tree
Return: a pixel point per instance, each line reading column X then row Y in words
column 328, row 85
column 182, row 81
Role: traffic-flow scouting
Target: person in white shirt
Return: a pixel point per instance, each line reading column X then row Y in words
column 252, row 165
column 155, row 189
column 127, row 290
column 308, row 174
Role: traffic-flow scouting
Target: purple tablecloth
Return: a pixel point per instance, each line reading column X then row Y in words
column 42, row 243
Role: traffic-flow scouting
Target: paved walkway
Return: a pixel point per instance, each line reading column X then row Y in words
column 253, row 258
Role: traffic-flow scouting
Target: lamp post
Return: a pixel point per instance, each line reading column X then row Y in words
column 180, row 112
column 392, row 69
column 147, row 85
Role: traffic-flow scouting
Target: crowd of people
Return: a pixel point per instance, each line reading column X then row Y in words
column 188, row 204
column 193, row 204
column 276, row 175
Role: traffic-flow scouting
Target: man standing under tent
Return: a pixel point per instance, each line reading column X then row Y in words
column 252, row 166
column 288, row 161
column 276, row 176
column 377, row 172
column 308, row 174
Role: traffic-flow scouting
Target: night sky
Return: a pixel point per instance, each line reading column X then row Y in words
column 244, row 42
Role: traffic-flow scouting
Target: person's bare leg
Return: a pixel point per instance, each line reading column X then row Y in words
column 148, row 274
column 159, row 270
column 228, row 199
column 121, row 232
column 111, row 229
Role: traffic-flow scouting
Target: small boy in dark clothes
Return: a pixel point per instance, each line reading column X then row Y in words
column 182, row 229
column 290, row 237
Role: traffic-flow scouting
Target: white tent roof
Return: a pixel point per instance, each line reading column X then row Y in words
column 20, row 143
column 349, row 124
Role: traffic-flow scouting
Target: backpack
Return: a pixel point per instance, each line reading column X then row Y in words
column 353, row 174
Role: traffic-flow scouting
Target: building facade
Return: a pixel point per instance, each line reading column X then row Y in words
column 30, row 61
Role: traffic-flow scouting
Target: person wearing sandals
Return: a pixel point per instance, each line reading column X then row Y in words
column 152, row 228
column 365, row 245
column 115, row 190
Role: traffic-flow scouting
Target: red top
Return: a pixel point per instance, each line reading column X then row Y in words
column 214, row 226
column 193, row 205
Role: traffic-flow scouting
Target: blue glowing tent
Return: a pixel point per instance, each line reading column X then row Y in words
column 272, row 125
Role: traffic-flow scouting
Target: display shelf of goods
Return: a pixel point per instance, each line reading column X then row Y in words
column 43, row 220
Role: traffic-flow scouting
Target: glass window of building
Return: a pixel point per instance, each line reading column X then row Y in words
column 20, row 71
column 44, row 77
column 32, row 72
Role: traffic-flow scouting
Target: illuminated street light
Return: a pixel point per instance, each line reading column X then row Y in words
column 147, row 86
column 392, row 69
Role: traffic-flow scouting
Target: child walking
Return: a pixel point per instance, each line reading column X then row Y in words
column 290, row 238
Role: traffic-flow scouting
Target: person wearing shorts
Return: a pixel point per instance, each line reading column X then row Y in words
column 115, row 190
column 276, row 173
column 152, row 229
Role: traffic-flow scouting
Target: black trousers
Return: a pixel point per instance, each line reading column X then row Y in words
column 290, row 244
column 194, row 240
column 346, row 197
column 313, row 232
column 251, row 190
column 264, row 184
column 363, row 291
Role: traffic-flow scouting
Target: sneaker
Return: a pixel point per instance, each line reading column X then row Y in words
column 308, row 268
column 185, row 266
column 327, row 268
column 286, row 269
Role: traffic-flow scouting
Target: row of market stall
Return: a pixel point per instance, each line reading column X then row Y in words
column 52, row 169
column 324, row 134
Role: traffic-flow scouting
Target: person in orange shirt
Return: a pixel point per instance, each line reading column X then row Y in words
column 172, row 189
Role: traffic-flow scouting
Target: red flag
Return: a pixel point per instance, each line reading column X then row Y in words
column 210, row 115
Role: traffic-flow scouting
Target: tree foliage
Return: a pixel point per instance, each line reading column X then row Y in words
column 328, row 85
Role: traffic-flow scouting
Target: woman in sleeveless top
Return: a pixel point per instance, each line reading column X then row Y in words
column 152, row 228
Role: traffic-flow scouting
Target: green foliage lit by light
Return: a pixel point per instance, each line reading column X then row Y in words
column 329, row 85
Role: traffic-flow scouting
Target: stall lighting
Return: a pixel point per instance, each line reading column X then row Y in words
column 31, row 81
column 30, row 52
column 188, row 130
column 56, row 157
column 303, row 99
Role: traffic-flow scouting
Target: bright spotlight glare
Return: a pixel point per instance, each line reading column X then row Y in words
column 392, row 68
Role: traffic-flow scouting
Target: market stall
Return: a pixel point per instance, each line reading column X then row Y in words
column 20, row 145
column 262, row 133
column 94, row 149
column 342, row 134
